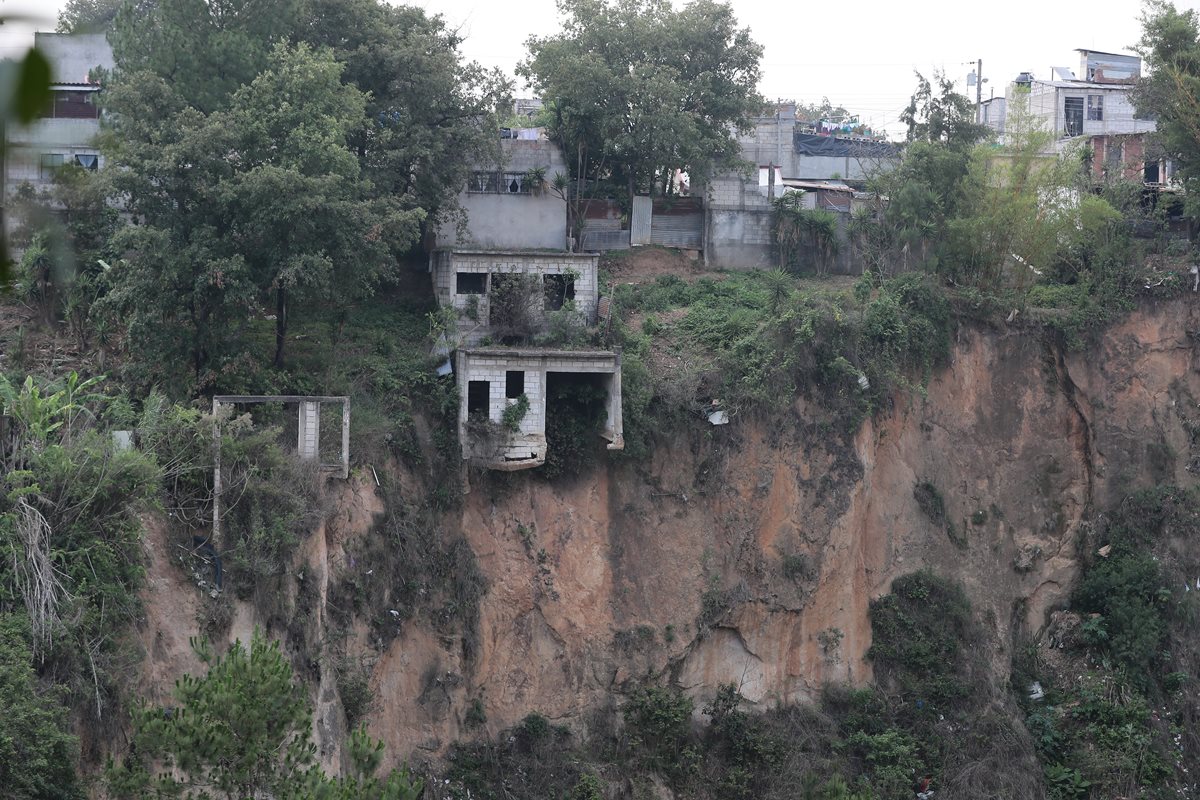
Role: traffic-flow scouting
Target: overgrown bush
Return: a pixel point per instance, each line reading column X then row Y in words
column 37, row 751
column 70, row 534
column 918, row 634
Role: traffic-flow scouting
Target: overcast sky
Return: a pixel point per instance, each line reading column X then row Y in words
column 859, row 54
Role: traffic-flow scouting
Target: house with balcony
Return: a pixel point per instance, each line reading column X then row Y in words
column 508, row 203
column 521, row 304
column 1091, row 107
column 67, row 129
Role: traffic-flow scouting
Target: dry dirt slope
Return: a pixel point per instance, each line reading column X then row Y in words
column 775, row 533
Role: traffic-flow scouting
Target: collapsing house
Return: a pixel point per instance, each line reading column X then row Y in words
column 518, row 306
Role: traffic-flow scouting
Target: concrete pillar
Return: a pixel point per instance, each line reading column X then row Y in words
column 308, row 437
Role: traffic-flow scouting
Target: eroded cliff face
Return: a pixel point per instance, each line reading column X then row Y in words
column 749, row 554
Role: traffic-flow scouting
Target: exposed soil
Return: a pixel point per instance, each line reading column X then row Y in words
column 733, row 554
column 644, row 264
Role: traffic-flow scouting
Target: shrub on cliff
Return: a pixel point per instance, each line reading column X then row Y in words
column 243, row 730
column 37, row 753
column 918, row 633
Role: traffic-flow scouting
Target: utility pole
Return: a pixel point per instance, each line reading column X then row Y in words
column 978, row 90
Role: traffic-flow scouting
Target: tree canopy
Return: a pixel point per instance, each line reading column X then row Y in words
column 276, row 157
column 639, row 89
column 1170, row 91
column 88, row 16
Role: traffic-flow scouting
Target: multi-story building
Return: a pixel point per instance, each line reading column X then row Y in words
column 66, row 132
column 1091, row 108
column 505, row 271
column 787, row 154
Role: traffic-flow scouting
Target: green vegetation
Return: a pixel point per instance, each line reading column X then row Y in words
column 795, row 228
column 70, row 534
column 37, row 754
column 257, row 744
column 1113, row 720
column 1170, row 46
column 759, row 341
column 640, row 90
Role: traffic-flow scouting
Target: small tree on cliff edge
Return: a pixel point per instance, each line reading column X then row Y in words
column 241, row 731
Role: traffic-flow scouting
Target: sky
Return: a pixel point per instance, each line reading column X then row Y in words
column 859, row 54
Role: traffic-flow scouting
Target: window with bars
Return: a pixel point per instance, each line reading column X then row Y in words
column 498, row 183
column 1095, row 106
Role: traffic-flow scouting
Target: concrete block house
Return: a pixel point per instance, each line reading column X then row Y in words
column 66, row 131
column 463, row 279
column 787, row 153
column 1090, row 107
column 515, row 235
column 509, row 204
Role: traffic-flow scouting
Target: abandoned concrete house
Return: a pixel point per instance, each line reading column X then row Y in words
column 507, row 274
column 510, row 204
column 472, row 282
column 492, row 380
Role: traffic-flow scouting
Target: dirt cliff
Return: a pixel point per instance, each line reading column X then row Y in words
column 747, row 553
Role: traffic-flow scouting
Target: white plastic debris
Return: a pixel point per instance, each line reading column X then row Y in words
column 1036, row 692
column 719, row 417
column 863, row 382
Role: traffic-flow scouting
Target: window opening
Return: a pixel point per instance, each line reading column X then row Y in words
column 1095, row 106
column 764, row 176
column 1073, row 110
column 558, row 289
column 50, row 164
column 478, row 397
column 1113, row 153
column 471, row 283
column 514, row 384
column 88, row 161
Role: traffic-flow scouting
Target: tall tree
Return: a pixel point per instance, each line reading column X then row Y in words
column 88, row 16
column 264, row 199
column 276, row 153
column 1170, row 92
column 204, row 50
column 640, row 89
column 430, row 115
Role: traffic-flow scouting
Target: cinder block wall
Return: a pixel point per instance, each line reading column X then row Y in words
column 448, row 263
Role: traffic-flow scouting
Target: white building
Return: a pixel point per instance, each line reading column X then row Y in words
column 67, row 130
